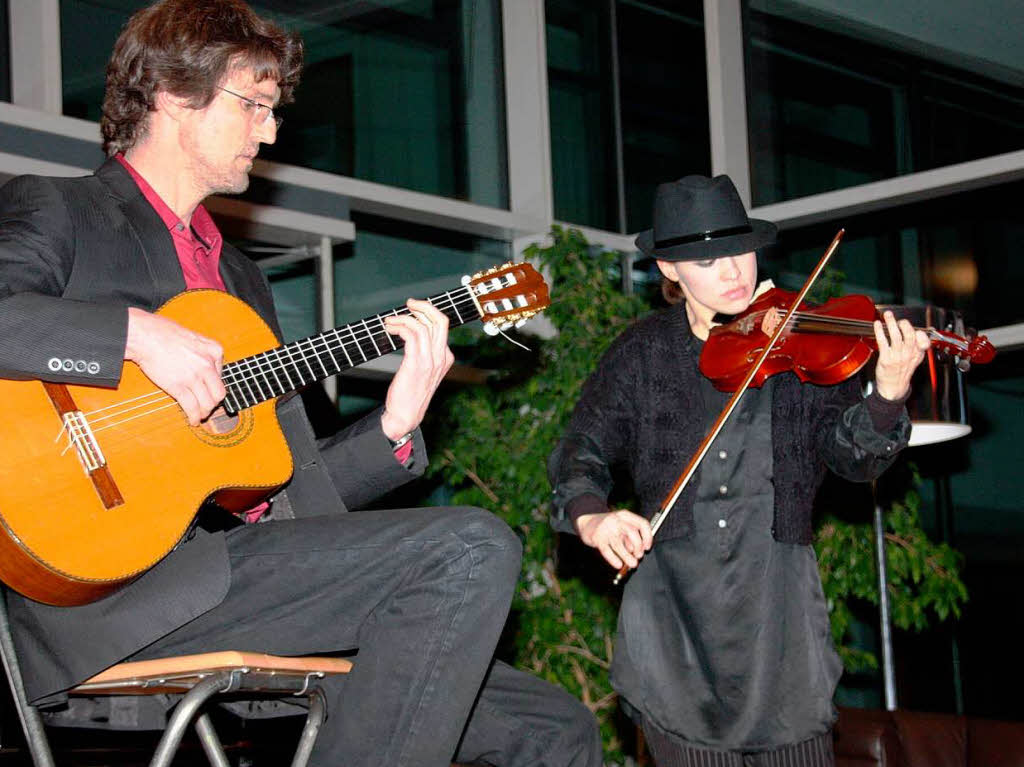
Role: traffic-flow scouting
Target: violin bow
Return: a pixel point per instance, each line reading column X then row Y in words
column 677, row 489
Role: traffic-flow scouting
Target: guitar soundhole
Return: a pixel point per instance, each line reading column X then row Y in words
column 221, row 423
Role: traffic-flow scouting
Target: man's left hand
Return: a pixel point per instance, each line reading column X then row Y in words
column 900, row 351
column 427, row 358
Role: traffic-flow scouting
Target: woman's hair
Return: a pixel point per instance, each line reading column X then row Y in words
column 187, row 48
column 671, row 291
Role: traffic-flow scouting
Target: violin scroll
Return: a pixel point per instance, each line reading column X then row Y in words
column 965, row 350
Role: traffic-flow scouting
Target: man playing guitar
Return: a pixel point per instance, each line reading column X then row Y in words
column 192, row 89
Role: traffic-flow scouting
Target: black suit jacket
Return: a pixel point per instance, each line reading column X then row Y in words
column 74, row 255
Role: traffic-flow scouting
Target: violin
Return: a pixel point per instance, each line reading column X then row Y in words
column 823, row 344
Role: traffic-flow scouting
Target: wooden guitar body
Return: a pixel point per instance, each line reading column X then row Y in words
column 60, row 541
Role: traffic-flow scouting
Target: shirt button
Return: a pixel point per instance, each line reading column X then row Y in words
column 179, row 226
column 722, row 454
column 722, row 523
column 722, row 489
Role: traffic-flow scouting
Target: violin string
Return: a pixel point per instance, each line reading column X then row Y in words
column 868, row 327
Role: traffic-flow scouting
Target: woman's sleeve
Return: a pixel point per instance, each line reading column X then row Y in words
column 596, row 439
column 861, row 436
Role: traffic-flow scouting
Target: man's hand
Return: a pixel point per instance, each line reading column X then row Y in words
column 184, row 364
column 900, row 351
column 621, row 536
column 427, row 359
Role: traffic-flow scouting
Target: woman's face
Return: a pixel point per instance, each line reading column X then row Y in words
column 721, row 285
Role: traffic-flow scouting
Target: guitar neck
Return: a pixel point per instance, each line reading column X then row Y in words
column 287, row 368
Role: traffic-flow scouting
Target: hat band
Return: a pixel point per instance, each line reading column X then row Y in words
column 703, row 236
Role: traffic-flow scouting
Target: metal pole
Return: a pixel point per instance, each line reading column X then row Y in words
column 325, row 286
column 888, row 669
column 620, row 173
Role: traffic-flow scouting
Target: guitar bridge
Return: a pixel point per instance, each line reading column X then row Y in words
column 81, row 438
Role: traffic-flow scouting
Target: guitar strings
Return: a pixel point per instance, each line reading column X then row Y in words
column 262, row 363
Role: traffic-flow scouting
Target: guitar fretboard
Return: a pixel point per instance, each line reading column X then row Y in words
column 287, row 368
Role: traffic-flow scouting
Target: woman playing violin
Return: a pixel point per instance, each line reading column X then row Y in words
column 723, row 652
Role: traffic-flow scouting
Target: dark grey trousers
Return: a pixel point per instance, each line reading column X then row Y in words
column 423, row 594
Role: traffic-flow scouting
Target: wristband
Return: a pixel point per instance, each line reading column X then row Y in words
column 397, row 443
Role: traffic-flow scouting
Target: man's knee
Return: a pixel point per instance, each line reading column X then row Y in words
column 579, row 737
column 491, row 539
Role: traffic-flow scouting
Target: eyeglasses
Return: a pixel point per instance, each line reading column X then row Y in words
column 260, row 113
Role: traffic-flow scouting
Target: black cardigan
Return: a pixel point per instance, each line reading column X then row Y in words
column 642, row 408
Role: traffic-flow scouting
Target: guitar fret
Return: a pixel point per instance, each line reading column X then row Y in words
column 387, row 335
column 245, row 383
column 316, row 356
column 372, row 340
column 302, row 356
column 232, row 401
column 283, row 368
column 455, row 307
column 360, row 348
column 256, row 380
column 341, row 344
column 273, row 372
column 327, row 346
column 296, row 367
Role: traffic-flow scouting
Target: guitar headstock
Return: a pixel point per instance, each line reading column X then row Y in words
column 508, row 295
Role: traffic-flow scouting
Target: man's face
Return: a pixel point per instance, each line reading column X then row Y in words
column 221, row 141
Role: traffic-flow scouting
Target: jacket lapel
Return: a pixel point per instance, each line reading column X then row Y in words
column 151, row 234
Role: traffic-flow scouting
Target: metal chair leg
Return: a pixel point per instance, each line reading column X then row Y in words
column 184, row 714
column 317, row 714
column 210, row 742
column 31, row 722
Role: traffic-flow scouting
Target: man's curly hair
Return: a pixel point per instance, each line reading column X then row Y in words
column 187, row 48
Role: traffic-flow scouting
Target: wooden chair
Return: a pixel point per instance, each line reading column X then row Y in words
column 199, row 677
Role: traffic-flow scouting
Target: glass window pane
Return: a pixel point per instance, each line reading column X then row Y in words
column 402, row 92
column 580, row 107
column 391, row 261
column 837, row 97
column 664, row 97
column 957, row 252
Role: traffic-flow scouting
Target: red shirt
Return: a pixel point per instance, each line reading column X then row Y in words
column 199, row 245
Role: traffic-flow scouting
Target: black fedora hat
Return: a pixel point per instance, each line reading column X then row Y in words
column 697, row 218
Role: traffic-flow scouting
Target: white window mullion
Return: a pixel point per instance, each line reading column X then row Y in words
column 526, row 106
column 35, row 54
column 727, row 93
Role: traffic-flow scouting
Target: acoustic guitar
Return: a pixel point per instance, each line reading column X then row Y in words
column 98, row 485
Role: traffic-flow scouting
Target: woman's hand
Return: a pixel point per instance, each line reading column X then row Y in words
column 621, row 536
column 900, row 351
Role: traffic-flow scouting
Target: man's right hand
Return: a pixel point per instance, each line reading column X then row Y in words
column 621, row 536
column 184, row 364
